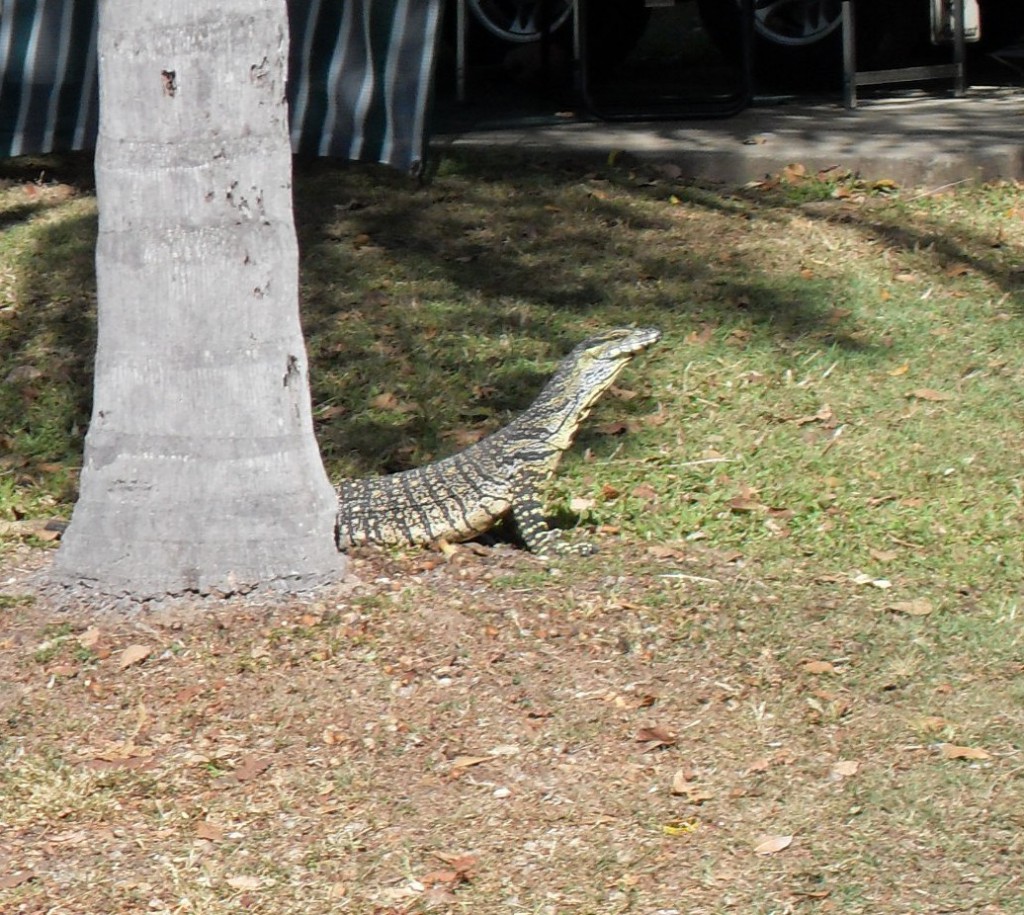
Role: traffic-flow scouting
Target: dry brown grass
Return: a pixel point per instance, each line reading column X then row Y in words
column 487, row 735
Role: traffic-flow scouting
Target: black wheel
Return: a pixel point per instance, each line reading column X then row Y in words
column 521, row 21
column 800, row 41
column 796, row 23
column 612, row 31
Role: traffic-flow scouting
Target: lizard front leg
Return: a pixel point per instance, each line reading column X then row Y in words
column 531, row 522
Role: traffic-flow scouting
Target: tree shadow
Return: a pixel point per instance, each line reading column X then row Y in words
column 982, row 253
column 434, row 312
column 510, row 259
column 48, row 330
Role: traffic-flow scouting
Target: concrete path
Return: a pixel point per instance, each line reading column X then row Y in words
column 915, row 138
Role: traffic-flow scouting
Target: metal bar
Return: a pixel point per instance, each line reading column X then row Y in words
column 460, row 50
column 577, row 49
column 906, row 74
column 849, row 58
column 959, row 53
column 852, row 78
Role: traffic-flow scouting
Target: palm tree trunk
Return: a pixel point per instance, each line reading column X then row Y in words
column 201, row 471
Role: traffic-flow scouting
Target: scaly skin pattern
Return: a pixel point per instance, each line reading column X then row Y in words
column 465, row 495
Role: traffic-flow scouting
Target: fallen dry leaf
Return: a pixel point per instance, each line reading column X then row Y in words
column 813, row 894
column 952, row 751
column 390, row 401
column 40, row 528
column 612, row 428
column 919, row 607
column 845, row 768
column 209, row 831
column 795, row 171
column 133, row 654
column 680, row 827
column 681, row 779
column 930, row 394
column 460, row 869
column 622, row 393
column 703, row 335
column 658, row 418
column 244, row 882
column 656, row 736
column 464, row 437
column 633, row 701
column 440, row 877
column 666, row 551
column 818, row 667
column 332, row 412
column 824, row 415
column 10, row 881
column 683, row 787
column 467, row 762
column 932, row 723
column 744, row 504
column 769, row 845
column 861, row 578
column 90, row 638
column 644, row 491
column 249, row 767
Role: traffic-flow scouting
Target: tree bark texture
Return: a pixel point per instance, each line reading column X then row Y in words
column 201, row 469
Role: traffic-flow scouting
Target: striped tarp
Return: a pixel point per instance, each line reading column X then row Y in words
column 359, row 77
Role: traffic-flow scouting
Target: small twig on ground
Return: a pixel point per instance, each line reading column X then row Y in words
column 685, row 577
column 927, row 192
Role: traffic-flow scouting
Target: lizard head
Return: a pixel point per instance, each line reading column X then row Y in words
column 595, row 363
column 617, row 345
column 588, row 371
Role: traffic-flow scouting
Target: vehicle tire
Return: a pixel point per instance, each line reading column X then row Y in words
column 613, row 31
column 520, row 21
column 799, row 43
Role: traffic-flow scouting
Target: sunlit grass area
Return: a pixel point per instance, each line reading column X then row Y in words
column 808, row 499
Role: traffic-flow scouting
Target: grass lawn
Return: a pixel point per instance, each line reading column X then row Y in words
column 792, row 680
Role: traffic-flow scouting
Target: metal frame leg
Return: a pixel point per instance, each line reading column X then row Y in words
column 849, row 57
column 460, row 50
column 852, row 78
column 959, row 49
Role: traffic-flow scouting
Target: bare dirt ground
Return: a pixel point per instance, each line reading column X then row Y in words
column 653, row 730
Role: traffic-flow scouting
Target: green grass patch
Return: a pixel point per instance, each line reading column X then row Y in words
column 838, row 383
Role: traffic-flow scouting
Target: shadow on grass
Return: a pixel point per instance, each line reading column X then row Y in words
column 980, row 251
column 48, row 334
column 949, row 253
column 439, row 293
column 433, row 313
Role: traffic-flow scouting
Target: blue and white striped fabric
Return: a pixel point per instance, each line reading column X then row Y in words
column 360, row 73
column 49, row 99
